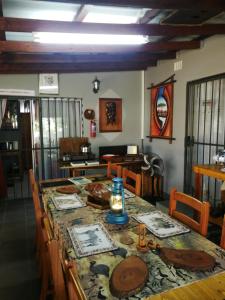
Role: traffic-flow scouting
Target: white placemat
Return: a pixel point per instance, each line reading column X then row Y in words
column 90, row 239
column 67, row 201
column 160, row 224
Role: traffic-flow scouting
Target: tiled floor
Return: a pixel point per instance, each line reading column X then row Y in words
column 18, row 269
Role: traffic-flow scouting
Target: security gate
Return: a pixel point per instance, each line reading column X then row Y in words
column 29, row 134
column 205, row 131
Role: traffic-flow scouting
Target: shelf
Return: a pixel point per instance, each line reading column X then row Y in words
column 9, row 153
column 9, row 129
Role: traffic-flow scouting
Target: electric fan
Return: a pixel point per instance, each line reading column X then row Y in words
column 154, row 164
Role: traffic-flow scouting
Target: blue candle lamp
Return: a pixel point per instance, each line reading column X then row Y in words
column 117, row 213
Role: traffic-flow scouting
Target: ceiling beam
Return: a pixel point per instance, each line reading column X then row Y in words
column 158, row 4
column 71, row 68
column 31, row 47
column 12, row 58
column 28, row 25
column 2, row 33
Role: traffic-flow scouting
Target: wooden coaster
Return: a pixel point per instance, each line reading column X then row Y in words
column 128, row 277
column 68, row 190
column 126, row 239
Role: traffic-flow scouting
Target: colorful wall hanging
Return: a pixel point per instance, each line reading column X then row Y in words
column 161, row 122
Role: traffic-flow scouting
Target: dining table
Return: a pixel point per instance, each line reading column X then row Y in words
column 165, row 281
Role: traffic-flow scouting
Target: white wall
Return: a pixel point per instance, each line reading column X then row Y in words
column 125, row 85
column 209, row 60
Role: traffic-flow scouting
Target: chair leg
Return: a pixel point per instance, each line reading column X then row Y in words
column 45, row 274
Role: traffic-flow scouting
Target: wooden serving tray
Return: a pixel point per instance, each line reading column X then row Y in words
column 194, row 260
column 97, row 202
column 128, row 277
column 68, row 190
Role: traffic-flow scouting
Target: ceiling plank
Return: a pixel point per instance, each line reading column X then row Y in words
column 71, row 68
column 12, row 58
column 31, row 47
column 158, row 4
column 28, row 25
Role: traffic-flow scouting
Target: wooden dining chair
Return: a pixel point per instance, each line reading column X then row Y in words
column 222, row 241
column 31, row 179
column 113, row 170
column 132, row 181
column 45, row 259
column 202, row 209
column 74, row 289
column 52, row 272
column 38, row 213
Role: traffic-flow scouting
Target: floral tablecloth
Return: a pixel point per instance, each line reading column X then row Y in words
column 95, row 271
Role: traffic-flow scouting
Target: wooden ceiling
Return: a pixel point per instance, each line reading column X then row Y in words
column 170, row 36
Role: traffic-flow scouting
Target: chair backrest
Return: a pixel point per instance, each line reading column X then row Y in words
column 113, row 168
column 36, row 199
column 222, row 241
column 202, row 209
column 128, row 177
column 31, row 179
column 74, row 289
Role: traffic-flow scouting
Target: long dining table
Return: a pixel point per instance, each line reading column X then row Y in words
column 164, row 280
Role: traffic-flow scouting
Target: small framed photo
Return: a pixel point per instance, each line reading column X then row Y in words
column 48, row 83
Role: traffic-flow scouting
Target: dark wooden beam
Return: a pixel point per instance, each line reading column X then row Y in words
column 31, row 47
column 70, row 68
column 2, row 33
column 12, row 58
column 158, row 4
column 27, row 25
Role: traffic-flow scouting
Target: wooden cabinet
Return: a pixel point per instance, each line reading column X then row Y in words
column 10, row 142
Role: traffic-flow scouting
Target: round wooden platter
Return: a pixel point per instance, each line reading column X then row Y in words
column 68, row 190
column 128, row 277
column 194, row 260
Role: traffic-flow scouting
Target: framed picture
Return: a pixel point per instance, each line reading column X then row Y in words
column 48, row 83
column 110, row 114
column 90, row 239
column 161, row 124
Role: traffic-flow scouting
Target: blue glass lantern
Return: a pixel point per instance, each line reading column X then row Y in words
column 117, row 213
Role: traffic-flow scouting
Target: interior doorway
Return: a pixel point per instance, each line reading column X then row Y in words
column 205, row 131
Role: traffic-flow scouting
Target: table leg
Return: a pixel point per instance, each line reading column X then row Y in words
column 198, row 186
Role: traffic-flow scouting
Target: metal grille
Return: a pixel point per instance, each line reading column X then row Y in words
column 205, row 131
column 48, row 120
